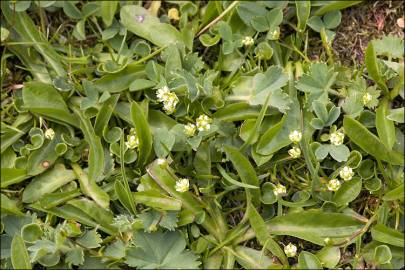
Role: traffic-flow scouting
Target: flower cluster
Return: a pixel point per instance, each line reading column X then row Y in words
column 280, row 190
column 290, row 250
column 295, row 137
column 132, row 139
column 248, row 41
column 123, row 222
column 203, row 123
column 337, row 137
column 346, row 173
column 333, row 185
column 49, row 134
column 367, row 97
column 169, row 99
column 182, row 185
column 295, row 152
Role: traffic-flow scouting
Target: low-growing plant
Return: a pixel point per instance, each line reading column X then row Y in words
column 179, row 134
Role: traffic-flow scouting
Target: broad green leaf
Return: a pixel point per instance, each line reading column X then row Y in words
column 385, row 127
column 397, row 115
column 101, row 215
column 317, row 83
column 329, row 256
column 246, row 172
column 348, row 191
column 43, row 158
column 387, row 235
column 382, row 255
column 158, row 201
column 143, row 24
column 70, row 212
column 47, row 182
column 31, row 232
column 19, row 254
column 90, row 188
column 45, row 100
column 314, row 226
column 332, row 19
column 71, row 10
column 120, row 81
column 262, row 234
column 369, row 142
column 10, row 176
column 307, row 260
column 54, row 199
column 395, row 194
column 9, row 206
column 250, row 258
column 335, row 5
column 143, row 132
column 160, row 251
column 236, row 112
column 108, row 9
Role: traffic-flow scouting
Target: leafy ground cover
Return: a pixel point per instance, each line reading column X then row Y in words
column 212, row 134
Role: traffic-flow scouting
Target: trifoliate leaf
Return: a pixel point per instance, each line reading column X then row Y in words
column 160, row 251
column 75, row 256
column 91, row 239
column 152, row 218
column 317, row 83
column 255, row 90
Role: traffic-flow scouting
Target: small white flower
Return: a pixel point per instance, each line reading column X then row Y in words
column 132, row 139
column 248, row 41
column 190, row 129
column 275, row 34
column 295, row 136
column 169, row 105
column 49, row 134
column 162, row 93
column 280, row 190
column 182, row 185
column 367, row 97
column 162, row 162
column 295, row 152
column 333, row 185
column 203, row 123
column 337, row 137
column 346, row 173
column 290, row 250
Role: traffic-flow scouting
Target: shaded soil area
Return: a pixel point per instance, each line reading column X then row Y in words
column 363, row 22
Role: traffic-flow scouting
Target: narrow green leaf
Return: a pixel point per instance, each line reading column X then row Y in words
column 44, row 99
column 90, row 188
column 370, row 143
column 9, row 206
column 47, row 182
column 385, row 127
column 19, row 254
column 348, row 191
column 303, row 10
column 372, row 67
column 262, row 234
column 108, row 9
column 233, row 181
column 104, row 114
column 143, row 132
column 387, row 235
column 246, row 172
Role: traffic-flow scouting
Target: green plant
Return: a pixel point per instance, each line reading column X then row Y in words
column 192, row 135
